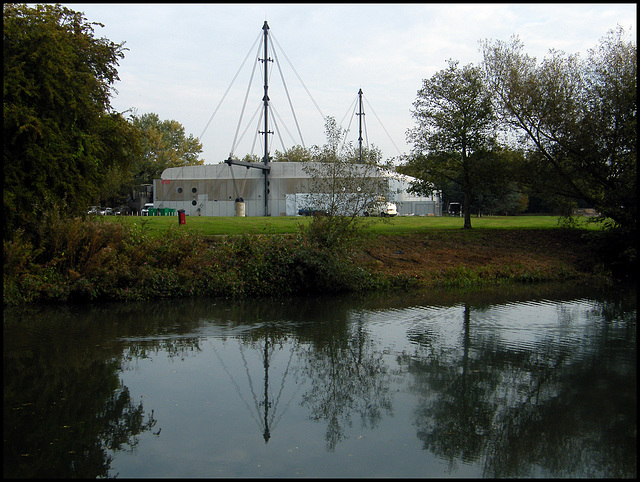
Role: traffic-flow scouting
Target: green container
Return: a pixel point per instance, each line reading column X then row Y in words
column 153, row 211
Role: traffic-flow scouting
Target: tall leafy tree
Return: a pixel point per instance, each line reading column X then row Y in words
column 164, row 144
column 61, row 136
column 578, row 118
column 341, row 189
column 455, row 132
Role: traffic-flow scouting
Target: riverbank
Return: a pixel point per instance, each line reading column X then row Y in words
column 446, row 258
column 91, row 260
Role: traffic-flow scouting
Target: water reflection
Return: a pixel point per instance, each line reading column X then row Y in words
column 265, row 341
column 491, row 383
column 65, row 407
column 348, row 377
column 545, row 408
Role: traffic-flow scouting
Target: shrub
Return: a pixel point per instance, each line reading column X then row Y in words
column 18, row 254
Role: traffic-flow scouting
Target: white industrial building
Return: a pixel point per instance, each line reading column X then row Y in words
column 214, row 189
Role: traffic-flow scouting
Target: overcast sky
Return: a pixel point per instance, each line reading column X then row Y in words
column 183, row 58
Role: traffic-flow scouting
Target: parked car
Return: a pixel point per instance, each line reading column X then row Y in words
column 311, row 212
column 122, row 210
column 93, row 210
column 145, row 209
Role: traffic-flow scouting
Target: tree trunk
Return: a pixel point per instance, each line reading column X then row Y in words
column 466, row 204
column 467, row 211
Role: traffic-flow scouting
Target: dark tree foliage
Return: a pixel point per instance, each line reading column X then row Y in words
column 493, row 188
column 61, row 137
column 578, row 119
column 454, row 139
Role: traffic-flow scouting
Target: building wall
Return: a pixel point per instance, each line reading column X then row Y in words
column 212, row 190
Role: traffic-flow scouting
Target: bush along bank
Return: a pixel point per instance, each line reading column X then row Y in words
column 90, row 260
column 87, row 260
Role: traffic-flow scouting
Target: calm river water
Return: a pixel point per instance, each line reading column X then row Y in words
column 528, row 382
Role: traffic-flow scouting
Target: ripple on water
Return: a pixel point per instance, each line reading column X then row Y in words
column 521, row 326
column 527, row 325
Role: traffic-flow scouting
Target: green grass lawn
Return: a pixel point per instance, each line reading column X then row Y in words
column 218, row 225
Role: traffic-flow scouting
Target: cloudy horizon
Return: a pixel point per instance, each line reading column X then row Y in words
column 182, row 58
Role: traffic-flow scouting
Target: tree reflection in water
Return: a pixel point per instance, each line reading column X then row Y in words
column 511, row 410
column 347, row 375
column 63, row 422
column 65, row 407
column 522, row 411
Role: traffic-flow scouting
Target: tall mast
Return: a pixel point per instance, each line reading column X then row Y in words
column 265, row 100
column 360, row 114
column 265, row 160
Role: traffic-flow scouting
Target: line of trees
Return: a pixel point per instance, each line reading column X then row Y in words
column 65, row 148
column 497, row 134
column 510, row 128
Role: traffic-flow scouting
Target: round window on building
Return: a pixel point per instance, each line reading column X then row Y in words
column 179, row 190
column 194, row 202
column 194, row 190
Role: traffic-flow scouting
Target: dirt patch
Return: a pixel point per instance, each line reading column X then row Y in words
column 425, row 255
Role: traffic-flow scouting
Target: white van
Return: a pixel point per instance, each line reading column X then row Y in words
column 382, row 209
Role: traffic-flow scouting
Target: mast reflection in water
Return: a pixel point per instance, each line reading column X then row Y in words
column 264, row 410
column 533, row 382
